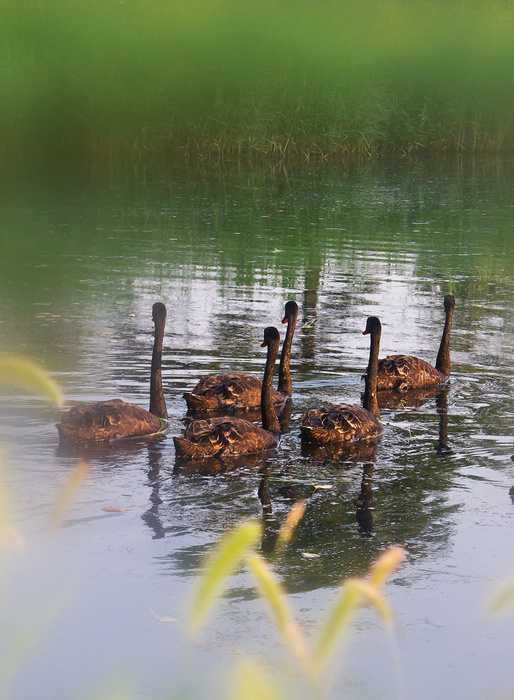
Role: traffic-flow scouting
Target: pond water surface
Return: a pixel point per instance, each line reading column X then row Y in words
column 103, row 600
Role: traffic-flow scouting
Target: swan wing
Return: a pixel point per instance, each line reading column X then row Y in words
column 223, row 436
column 339, row 423
column 107, row 420
column 234, row 390
column 403, row 372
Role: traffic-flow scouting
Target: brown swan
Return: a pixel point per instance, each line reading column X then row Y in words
column 113, row 419
column 242, row 392
column 403, row 372
column 227, row 435
column 344, row 422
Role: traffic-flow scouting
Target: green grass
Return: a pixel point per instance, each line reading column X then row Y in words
column 125, row 80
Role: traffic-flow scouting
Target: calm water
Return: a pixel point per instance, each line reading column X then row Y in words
column 83, row 262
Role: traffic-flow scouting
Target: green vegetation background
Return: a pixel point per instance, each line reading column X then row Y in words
column 118, row 80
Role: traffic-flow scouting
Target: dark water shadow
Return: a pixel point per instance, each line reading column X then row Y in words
column 363, row 502
column 414, row 398
column 288, row 493
column 341, row 452
column 227, row 465
column 101, row 449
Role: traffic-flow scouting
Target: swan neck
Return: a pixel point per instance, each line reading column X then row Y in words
column 285, row 385
column 269, row 417
column 443, row 363
column 370, row 401
column 157, row 401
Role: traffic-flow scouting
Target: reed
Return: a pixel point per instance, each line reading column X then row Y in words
column 219, row 79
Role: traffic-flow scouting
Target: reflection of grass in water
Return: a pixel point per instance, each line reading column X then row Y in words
column 221, row 78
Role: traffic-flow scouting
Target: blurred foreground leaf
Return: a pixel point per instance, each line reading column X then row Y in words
column 350, row 597
column 27, row 375
column 503, row 599
column 384, row 566
column 67, row 494
column 293, row 518
column 274, row 595
column 9, row 536
column 252, row 683
column 222, row 561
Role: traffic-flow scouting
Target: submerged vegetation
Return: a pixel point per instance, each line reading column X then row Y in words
column 128, row 81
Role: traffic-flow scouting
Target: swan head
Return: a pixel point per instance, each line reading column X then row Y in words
column 449, row 302
column 291, row 311
column 158, row 312
column 373, row 325
column 271, row 335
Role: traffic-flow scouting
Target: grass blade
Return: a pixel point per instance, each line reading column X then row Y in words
column 335, row 624
column 384, row 566
column 252, row 683
column 27, row 375
column 293, row 518
column 220, row 564
column 68, row 493
column 271, row 591
column 350, row 598
column 9, row 536
column 374, row 597
column 503, row 599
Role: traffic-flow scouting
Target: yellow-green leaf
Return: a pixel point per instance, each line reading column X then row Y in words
column 336, row 622
column 503, row 599
column 374, row 597
column 350, row 598
column 26, row 375
column 271, row 591
column 67, row 494
column 219, row 566
column 384, row 566
column 8, row 534
column 293, row 518
column 253, row 683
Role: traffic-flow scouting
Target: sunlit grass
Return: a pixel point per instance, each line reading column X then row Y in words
column 216, row 78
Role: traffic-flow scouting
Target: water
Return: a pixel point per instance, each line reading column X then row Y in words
column 104, row 598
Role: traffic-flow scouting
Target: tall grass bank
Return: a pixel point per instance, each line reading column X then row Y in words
column 119, row 80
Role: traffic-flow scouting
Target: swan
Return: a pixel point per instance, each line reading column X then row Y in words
column 344, row 422
column 228, row 435
column 403, row 372
column 242, row 392
column 113, row 419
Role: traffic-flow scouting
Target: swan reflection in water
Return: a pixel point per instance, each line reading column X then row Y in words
column 227, row 465
column 293, row 494
column 415, row 398
column 100, row 450
column 288, row 492
column 363, row 507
